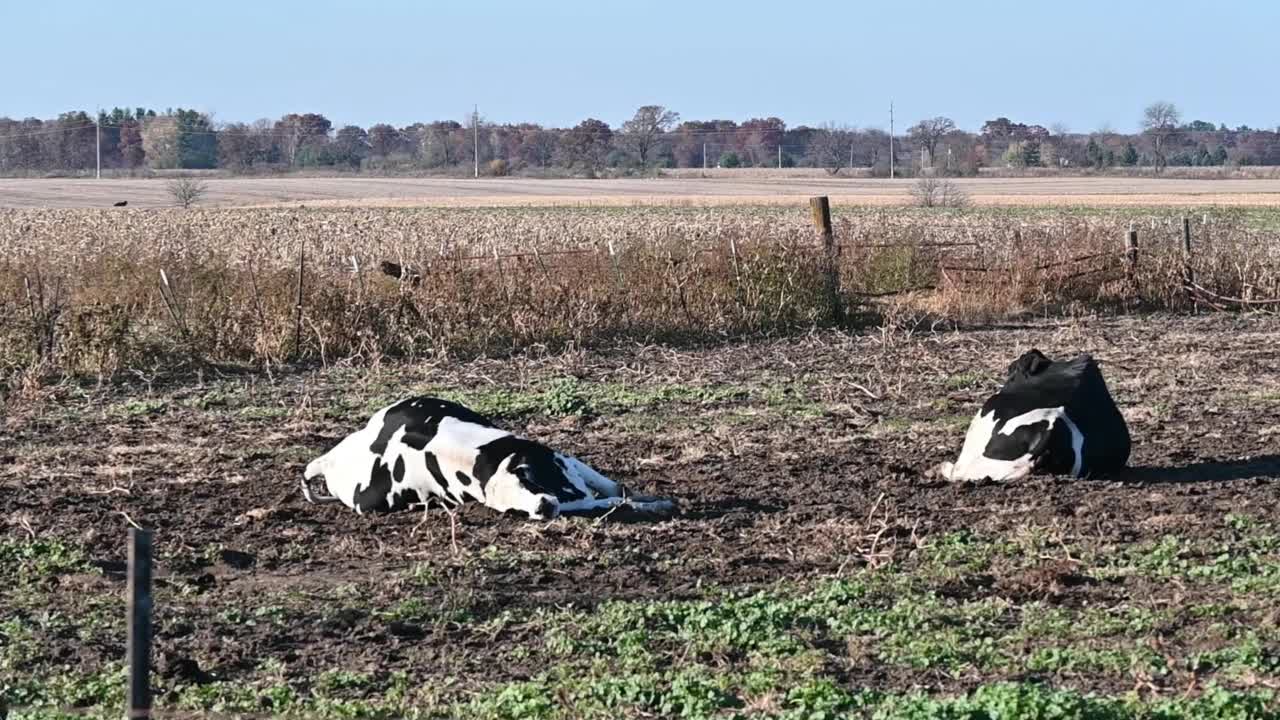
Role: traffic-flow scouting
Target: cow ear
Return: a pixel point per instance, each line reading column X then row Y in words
column 1029, row 363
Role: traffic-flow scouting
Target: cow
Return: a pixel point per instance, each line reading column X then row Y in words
column 1055, row 417
column 424, row 449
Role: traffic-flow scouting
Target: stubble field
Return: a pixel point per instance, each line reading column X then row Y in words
column 815, row 569
column 714, row 189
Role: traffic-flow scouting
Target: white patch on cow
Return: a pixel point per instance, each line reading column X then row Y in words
column 974, row 465
column 456, row 446
column 1077, row 445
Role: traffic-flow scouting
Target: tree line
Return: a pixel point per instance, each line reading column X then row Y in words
column 131, row 139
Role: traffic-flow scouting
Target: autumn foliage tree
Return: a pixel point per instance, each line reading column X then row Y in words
column 642, row 133
column 587, row 145
column 297, row 132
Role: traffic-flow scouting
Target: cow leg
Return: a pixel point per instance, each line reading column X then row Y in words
column 598, row 506
column 597, row 483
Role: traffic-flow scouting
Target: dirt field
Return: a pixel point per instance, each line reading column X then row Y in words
column 365, row 191
column 814, row 567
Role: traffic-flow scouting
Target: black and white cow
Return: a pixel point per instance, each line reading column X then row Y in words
column 1052, row 417
column 424, row 449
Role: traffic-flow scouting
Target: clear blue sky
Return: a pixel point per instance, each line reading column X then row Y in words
column 1085, row 63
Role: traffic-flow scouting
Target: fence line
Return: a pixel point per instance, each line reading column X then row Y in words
column 831, row 250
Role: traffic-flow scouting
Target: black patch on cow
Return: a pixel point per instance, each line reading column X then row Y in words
column 407, row 497
column 1024, row 440
column 420, row 417
column 490, row 455
column 1036, row 382
column 545, row 508
column 433, row 467
column 463, row 478
column 537, row 467
column 373, row 498
column 1048, row 446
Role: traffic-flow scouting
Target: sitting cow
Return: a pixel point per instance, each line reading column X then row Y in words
column 1055, row 417
column 422, row 449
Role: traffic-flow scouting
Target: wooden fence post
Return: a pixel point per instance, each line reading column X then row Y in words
column 139, row 624
column 737, row 273
column 1188, row 275
column 297, row 320
column 820, row 208
column 1131, row 254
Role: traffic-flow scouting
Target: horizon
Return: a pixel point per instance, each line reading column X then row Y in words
column 574, row 61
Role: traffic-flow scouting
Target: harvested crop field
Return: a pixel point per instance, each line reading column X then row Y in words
column 815, row 569
column 693, row 191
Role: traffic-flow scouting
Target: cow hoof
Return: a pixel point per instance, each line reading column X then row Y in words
column 942, row 471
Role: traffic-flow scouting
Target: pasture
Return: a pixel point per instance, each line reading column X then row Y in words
column 816, row 568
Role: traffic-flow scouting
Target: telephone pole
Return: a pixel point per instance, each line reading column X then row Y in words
column 890, row 139
column 704, row 156
column 97, row 141
column 475, row 126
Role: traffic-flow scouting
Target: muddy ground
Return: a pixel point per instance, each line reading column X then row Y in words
column 794, row 461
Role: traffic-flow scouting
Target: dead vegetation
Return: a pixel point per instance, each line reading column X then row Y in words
column 98, row 292
column 186, row 191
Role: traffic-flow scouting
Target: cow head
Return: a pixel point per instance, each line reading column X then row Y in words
column 1029, row 363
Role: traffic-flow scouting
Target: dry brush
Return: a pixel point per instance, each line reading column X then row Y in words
column 87, row 292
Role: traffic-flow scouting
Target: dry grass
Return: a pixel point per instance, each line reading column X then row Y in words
column 97, row 293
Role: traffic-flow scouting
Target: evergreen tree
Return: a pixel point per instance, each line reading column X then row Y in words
column 197, row 142
column 1202, row 156
column 1093, row 153
column 1031, row 154
column 1130, row 156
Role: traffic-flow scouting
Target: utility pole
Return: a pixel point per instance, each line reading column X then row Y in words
column 704, row 156
column 890, row 139
column 475, row 126
column 97, row 132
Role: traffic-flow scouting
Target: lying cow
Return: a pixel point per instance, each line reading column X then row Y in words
column 1053, row 417
column 425, row 449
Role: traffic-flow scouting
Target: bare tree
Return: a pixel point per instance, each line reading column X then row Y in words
column 930, row 191
column 644, row 131
column 186, row 191
column 829, row 147
column 929, row 132
column 1160, row 120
